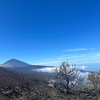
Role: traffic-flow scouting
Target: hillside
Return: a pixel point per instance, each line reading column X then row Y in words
column 8, row 78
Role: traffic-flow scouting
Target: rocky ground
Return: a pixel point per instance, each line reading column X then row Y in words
column 36, row 87
column 41, row 91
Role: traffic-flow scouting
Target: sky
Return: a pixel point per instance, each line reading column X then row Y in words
column 48, row 32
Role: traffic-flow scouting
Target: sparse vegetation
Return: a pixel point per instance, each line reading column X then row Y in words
column 94, row 81
column 65, row 87
column 67, row 78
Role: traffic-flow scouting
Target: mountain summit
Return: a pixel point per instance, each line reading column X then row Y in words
column 14, row 63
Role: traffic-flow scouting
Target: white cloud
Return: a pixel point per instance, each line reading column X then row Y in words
column 97, row 54
column 47, row 69
column 88, row 62
column 73, row 58
column 84, row 76
column 76, row 49
column 82, row 67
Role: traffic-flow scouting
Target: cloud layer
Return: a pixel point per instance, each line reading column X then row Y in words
column 46, row 69
column 52, row 69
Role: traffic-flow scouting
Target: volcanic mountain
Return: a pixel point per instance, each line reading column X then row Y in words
column 20, row 66
column 14, row 63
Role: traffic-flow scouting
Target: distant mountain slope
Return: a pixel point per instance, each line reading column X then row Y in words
column 14, row 63
column 21, row 67
column 8, row 78
column 28, row 69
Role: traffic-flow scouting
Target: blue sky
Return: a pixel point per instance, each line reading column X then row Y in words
column 50, row 31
